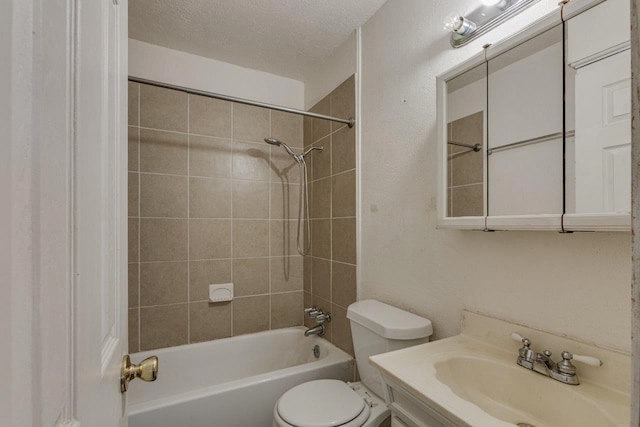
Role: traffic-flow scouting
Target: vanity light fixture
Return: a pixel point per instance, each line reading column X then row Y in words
column 484, row 18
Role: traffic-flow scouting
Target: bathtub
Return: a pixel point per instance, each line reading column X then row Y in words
column 231, row 382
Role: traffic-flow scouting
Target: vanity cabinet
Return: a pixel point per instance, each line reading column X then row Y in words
column 534, row 132
column 407, row 411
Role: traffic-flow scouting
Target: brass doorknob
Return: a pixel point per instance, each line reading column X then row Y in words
column 147, row 370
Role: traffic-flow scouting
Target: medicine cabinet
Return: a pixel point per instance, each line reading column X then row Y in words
column 534, row 131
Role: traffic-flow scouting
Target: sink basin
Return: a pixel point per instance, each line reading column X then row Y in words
column 516, row 395
column 473, row 380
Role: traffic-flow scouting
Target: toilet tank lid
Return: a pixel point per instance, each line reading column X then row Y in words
column 389, row 321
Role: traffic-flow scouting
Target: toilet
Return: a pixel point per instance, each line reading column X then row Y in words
column 375, row 328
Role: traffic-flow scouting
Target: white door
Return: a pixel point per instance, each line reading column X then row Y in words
column 73, row 56
column 603, row 135
column 100, row 253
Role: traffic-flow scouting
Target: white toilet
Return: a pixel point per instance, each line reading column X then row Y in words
column 376, row 328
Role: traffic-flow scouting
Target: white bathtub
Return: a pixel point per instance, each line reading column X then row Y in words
column 232, row 382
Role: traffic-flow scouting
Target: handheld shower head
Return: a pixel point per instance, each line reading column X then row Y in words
column 278, row 143
column 273, row 141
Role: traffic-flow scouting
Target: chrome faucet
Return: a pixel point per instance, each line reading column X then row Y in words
column 320, row 317
column 563, row 371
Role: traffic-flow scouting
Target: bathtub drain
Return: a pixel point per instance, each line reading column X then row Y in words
column 316, row 351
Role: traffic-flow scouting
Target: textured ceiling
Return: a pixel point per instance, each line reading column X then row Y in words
column 284, row 37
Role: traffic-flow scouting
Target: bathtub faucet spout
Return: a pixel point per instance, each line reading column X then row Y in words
column 316, row 330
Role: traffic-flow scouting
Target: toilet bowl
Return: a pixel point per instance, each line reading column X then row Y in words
column 376, row 328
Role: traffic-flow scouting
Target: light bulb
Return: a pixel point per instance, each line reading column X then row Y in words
column 458, row 24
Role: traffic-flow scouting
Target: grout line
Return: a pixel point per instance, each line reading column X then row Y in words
column 206, row 300
column 232, row 139
column 466, row 185
column 188, row 216
column 231, row 306
column 269, row 231
column 139, row 146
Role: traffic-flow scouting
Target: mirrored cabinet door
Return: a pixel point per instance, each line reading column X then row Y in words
column 598, row 111
column 465, row 118
column 525, row 131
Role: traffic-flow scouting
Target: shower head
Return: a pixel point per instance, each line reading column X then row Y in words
column 273, row 141
column 278, row 143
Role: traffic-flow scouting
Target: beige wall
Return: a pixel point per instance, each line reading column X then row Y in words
column 209, row 202
column 330, row 271
column 576, row 284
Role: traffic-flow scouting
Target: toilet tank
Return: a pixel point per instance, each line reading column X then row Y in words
column 377, row 328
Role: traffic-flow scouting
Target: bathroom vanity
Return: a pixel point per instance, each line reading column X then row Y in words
column 474, row 379
column 534, row 131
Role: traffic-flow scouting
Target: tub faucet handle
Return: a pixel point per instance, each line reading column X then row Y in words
column 323, row 317
column 310, row 309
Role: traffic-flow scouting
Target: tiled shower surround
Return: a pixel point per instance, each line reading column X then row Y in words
column 210, row 202
column 330, row 271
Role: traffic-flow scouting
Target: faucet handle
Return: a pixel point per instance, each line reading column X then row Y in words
column 308, row 310
column 517, row 337
column 323, row 317
column 587, row 360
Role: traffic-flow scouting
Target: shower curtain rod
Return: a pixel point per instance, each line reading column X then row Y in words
column 351, row 121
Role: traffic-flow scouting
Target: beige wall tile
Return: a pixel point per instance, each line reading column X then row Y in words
column 321, row 238
column 133, row 285
column 343, row 239
column 286, row 310
column 250, row 314
column 205, row 273
column 251, row 161
column 133, row 194
column 467, row 200
column 343, row 284
column 307, row 131
column 343, row 145
column 163, row 196
column 251, row 276
column 287, row 127
column 133, row 240
column 250, row 123
column 306, row 282
column 284, row 168
column 343, row 101
column 134, row 148
column 133, row 322
column 284, row 201
column 209, row 238
column 133, row 95
column 284, row 238
column 209, row 198
column 467, row 168
column 163, row 152
column 210, row 157
column 162, row 108
column 209, row 116
column 321, row 128
column 469, row 130
column 163, row 283
column 321, row 160
column 341, row 329
column 286, row 273
column 250, row 238
column 163, row 240
column 209, row 321
column 163, row 326
column 251, row 199
column 343, row 196
column 321, row 278
column 321, row 199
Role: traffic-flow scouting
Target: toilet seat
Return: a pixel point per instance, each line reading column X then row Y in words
column 321, row 403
